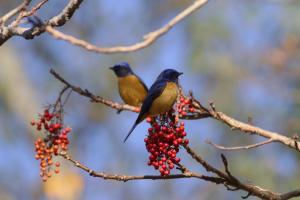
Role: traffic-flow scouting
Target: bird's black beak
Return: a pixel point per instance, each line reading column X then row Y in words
column 112, row 68
column 180, row 73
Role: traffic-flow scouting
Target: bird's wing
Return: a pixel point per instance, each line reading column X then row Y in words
column 142, row 82
column 155, row 91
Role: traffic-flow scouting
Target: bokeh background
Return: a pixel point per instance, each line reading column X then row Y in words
column 244, row 55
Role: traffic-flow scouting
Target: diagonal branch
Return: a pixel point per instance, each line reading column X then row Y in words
column 93, row 97
column 232, row 183
column 292, row 194
column 147, row 39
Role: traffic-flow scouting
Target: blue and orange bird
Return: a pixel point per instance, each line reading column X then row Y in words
column 132, row 89
column 160, row 98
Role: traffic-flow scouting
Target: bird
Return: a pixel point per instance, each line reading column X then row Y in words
column 160, row 98
column 132, row 89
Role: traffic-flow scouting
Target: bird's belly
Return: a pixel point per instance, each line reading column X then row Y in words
column 165, row 101
column 131, row 90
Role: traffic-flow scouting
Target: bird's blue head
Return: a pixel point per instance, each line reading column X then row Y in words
column 170, row 75
column 122, row 69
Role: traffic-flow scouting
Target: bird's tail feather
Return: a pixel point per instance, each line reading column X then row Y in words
column 132, row 128
column 138, row 120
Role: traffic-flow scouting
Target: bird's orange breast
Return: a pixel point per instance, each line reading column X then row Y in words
column 131, row 90
column 165, row 101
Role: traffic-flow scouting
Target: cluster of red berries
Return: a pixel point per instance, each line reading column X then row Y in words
column 163, row 141
column 55, row 140
column 185, row 106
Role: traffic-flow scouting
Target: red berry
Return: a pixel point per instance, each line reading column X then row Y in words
column 179, row 140
column 177, row 160
column 166, row 172
column 161, row 170
column 149, row 119
column 68, row 129
column 57, row 164
column 175, row 142
column 186, row 141
column 57, row 126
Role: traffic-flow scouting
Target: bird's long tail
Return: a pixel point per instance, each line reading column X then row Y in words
column 138, row 120
column 132, row 128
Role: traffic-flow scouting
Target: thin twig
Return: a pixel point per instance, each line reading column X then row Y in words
column 93, row 97
column 60, row 95
column 28, row 13
column 14, row 11
column 240, row 147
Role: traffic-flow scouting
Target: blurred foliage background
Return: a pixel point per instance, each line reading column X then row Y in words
column 244, row 55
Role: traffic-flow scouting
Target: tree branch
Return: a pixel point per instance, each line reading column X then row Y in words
column 112, row 104
column 118, row 177
column 200, row 112
column 225, row 178
column 232, row 183
column 244, row 127
column 292, row 194
column 240, row 147
column 6, row 32
column 147, row 39
column 250, row 129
